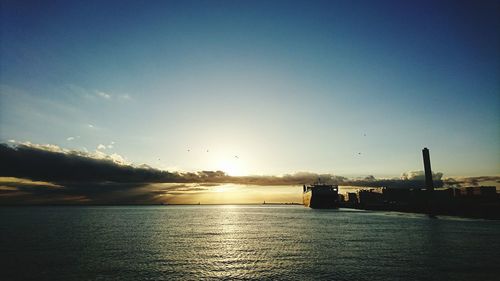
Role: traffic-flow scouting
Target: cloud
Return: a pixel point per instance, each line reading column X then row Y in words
column 20, row 182
column 30, row 173
column 14, row 191
column 81, row 177
column 117, row 158
column 125, row 97
column 103, row 95
column 70, row 138
column 26, row 192
column 472, row 181
column 412, row 179
column 94, row 95
column 108, row 96
column 298, row 178
column 420, row 175
column 54, row 164
column 48, row 174
column 90, row 125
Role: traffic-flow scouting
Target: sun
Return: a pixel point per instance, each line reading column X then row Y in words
column 232, row 167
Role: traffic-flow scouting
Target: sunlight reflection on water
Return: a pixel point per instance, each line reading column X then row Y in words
column 242, row 242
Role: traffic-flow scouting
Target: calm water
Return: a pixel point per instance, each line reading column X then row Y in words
column 242, row 242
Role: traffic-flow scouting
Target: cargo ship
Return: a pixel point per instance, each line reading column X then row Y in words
column 321, row 196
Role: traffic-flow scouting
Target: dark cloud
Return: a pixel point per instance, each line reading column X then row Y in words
column 298, row 178
column 412, row 179
column 22, row 192
column 36, row 163
column 59, row 166
column 42, row 174
column 36, row 174
column 391, row 183
column 471, row 181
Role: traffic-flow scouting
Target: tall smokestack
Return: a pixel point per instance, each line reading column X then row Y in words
column 429, row 184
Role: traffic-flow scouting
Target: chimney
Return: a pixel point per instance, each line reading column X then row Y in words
column 429, row 184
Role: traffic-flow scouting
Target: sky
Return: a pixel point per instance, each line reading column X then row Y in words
column 351, row 88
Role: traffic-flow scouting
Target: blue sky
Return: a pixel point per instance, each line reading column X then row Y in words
column 347, row 87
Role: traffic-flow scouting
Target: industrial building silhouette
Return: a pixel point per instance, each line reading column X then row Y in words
column 472, row 201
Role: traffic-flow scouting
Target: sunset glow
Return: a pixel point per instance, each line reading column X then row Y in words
column 232, row 167
column 244, row 92
column 250, row 140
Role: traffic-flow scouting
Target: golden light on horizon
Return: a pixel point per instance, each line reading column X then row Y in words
column 234, row 194
column 221, row 188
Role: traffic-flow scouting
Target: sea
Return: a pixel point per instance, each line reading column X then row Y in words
column 242, row 242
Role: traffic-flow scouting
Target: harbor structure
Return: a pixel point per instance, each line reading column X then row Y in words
column 429, row 184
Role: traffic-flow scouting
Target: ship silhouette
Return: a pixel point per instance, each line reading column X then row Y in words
column 321, row 195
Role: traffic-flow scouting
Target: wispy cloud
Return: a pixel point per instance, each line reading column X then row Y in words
column 103, row 95
column 116, row 97
column 18, row 182
column 72, row 138
column 95, row 95
column 126, row 97
column 101, row 147
column 24, row 110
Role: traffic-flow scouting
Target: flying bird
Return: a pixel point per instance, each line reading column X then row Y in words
column 236, row 156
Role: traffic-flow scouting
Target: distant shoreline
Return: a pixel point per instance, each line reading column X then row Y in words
column 153, row 205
